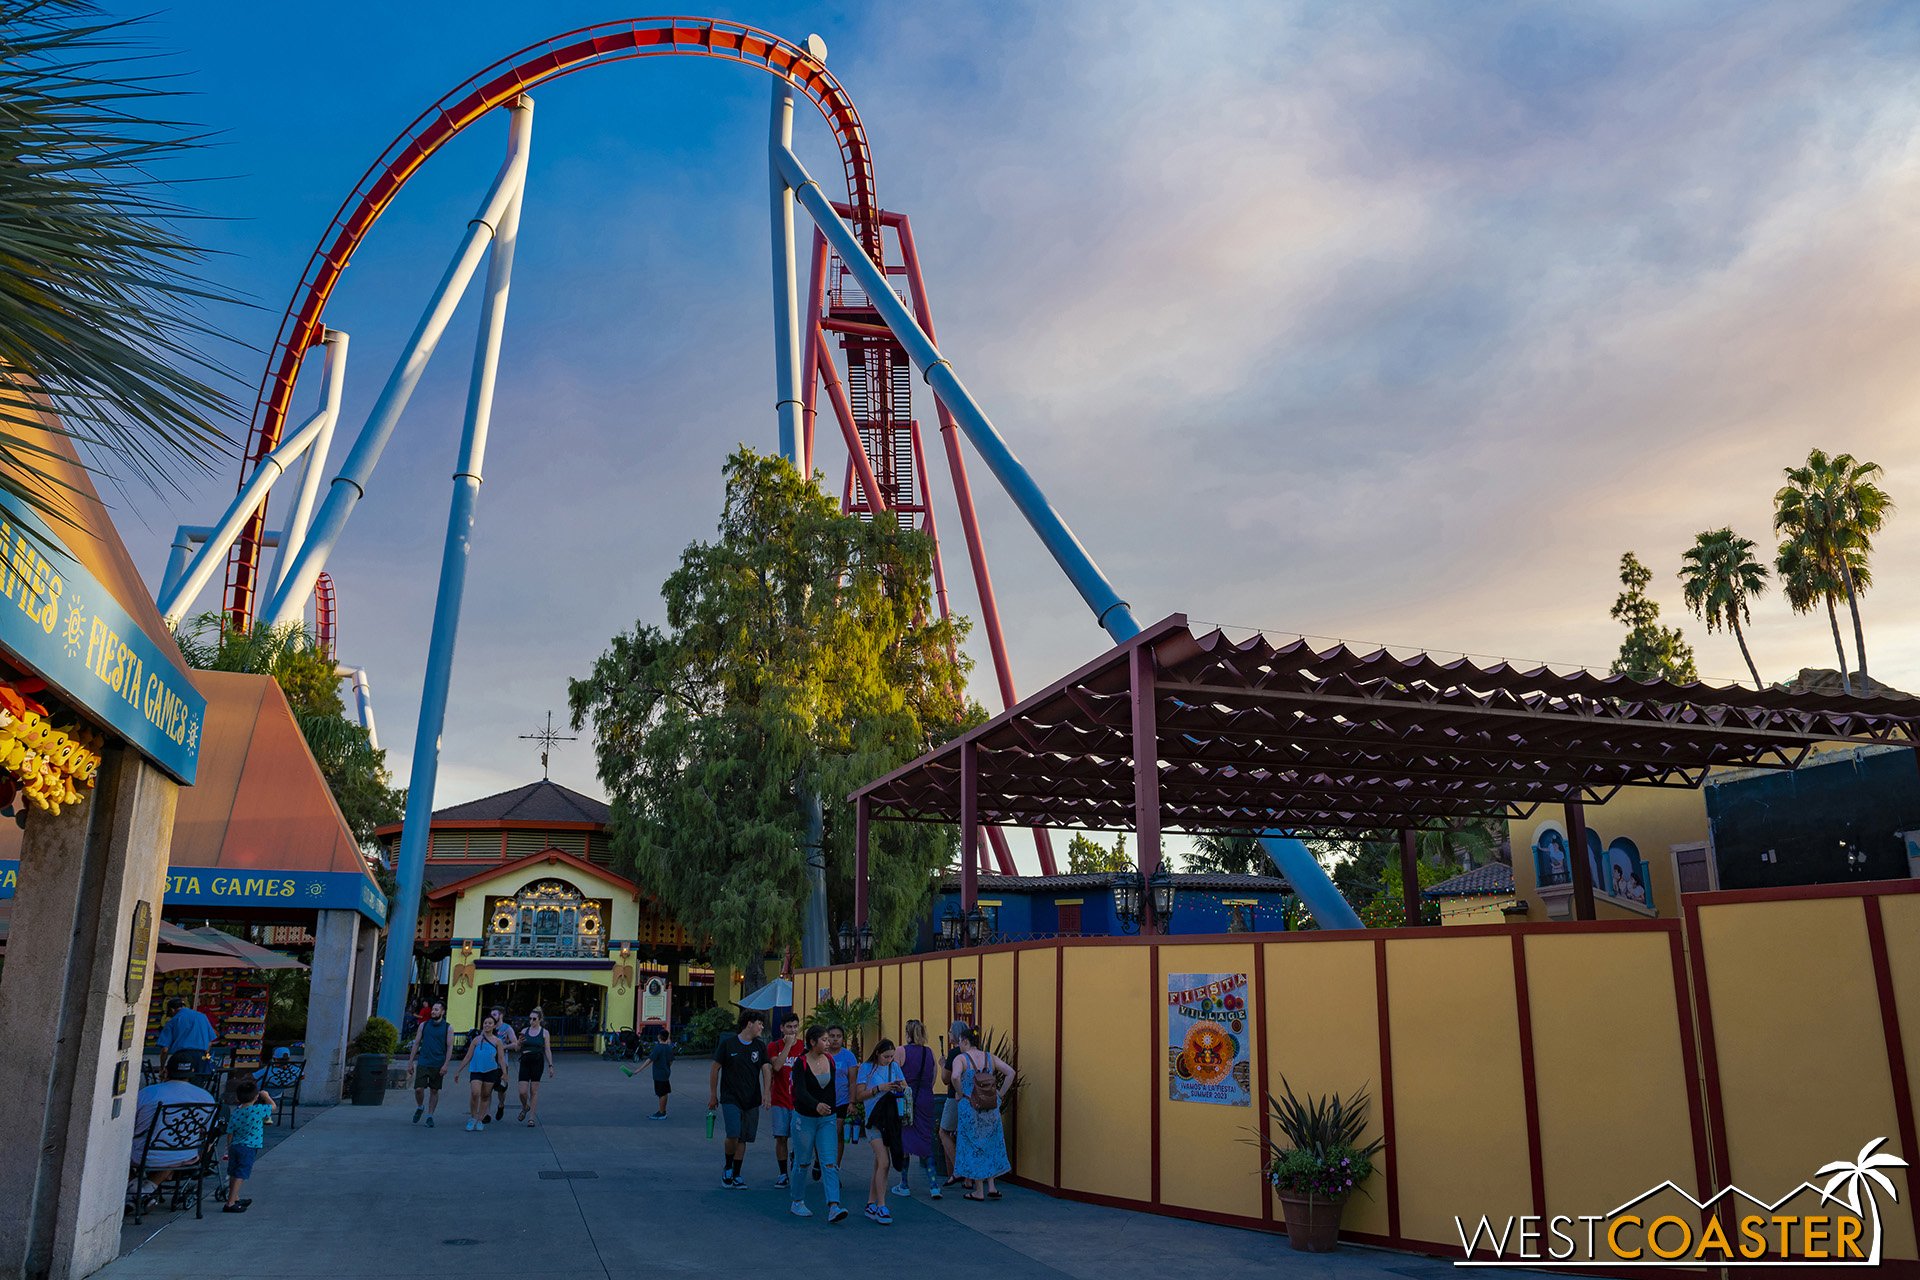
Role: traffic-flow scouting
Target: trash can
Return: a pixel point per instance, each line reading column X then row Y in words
column 369, row 1080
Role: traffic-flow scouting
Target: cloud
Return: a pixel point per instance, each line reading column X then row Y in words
column 1388, row 322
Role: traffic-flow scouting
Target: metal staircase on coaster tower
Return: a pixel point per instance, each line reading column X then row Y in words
column 873, row 403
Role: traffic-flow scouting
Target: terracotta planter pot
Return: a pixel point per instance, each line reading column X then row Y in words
column 1313, row 1226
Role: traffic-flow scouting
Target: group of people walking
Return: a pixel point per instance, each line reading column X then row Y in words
column 907, row 1102
column 822, row 1095
column 489, row 1051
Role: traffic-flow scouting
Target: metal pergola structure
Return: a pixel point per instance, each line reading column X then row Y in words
column 1203, row 733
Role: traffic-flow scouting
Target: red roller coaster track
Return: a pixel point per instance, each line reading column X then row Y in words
column 481, row 93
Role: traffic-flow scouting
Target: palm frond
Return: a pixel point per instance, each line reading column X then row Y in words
column 104, row 335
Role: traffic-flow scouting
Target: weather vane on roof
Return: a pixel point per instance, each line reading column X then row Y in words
column 546, row 738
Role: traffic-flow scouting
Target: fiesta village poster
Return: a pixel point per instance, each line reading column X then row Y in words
column 1207, row 1035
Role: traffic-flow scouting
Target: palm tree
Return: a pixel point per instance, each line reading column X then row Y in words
column 1719, row 576
column 1807, row 583
column 102, row 330
column 1862, row 1174
column 1831, row 508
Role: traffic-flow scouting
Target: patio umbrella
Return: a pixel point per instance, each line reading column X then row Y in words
column 777, row 994
column 250, row 956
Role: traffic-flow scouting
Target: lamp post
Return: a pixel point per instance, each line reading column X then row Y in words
column 866, row 942
column 1160, row 885
column 976, row 926
column 949, row 936
column 845, row 937
column 1126, row 900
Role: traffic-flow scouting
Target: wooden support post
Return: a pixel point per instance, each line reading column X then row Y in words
column 1146, row 775
column 969, row 825
column 1577, row 855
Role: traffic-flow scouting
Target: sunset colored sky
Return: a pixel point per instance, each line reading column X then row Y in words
column 1393, row 323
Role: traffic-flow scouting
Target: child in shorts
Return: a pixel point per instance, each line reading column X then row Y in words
column 246, row 1134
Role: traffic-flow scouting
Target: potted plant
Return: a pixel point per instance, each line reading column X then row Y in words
column 367, row 1079
column 1318, row 1161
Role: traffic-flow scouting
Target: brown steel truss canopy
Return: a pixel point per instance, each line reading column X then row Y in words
column 1256, row 736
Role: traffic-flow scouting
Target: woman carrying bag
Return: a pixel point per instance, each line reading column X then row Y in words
column 980, row 1144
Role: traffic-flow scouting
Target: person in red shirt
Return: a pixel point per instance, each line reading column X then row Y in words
column 781, row 1055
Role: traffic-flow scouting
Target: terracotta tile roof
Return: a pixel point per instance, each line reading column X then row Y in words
column 541, row 801
column 1494, row 878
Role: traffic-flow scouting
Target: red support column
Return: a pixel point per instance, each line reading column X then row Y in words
column 1146, row 773
column 1577, row 854
column 1410, row 875
column 862, row 814
column 969, row 519
column 969, row 825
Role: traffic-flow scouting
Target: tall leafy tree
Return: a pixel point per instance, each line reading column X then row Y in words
column 1719, row 576
column 1086, row 856
column 798, row 660
column 355, row 771
column 1827, row 513
column 102, row 297
column 1650, row 651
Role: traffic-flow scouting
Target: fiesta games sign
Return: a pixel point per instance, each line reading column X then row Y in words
column 218, row 887
column 60, row 622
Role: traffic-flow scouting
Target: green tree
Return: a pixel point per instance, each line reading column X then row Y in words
column 102, row 299
column 1828, row 512
column 355, row 771
column 1650, row 651
column 798, row 660
column 1719, row 576
column 1086, row 856
column 1227, row 854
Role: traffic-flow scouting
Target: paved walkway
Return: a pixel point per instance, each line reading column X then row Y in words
column 597, row 1191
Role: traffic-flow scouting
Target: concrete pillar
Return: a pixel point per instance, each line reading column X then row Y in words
column 366, row 976
column 336, row 937
column 64, row 1012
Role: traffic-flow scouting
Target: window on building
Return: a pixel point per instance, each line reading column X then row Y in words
column 1690, row 863
column 1070, row 917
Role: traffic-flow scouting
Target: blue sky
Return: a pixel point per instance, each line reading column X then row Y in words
column 1395, row 323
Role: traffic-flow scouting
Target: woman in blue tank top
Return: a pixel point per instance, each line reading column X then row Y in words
column 485, row 1055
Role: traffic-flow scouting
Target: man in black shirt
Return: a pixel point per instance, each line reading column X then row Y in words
column 736, row 1084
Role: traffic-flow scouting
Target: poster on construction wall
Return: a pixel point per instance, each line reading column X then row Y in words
column 966, row 1001
column 1207, row 1039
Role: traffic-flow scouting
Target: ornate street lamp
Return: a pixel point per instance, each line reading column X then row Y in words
column 949, row 938
column 866, row 942
column 976, row 926
column 1160, row 884
column 845, row 937
column 1126, row 900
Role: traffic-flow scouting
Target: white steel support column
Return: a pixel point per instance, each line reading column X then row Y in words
column 446, row 609
column 313, row 466
column 786, row 283
column 303, row 568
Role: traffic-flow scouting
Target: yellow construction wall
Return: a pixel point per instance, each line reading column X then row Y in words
column 1460, row 1126
column 1323, row 1030
column 1567, row 1048
column 1034, row 1036
column 1802, row 1058
column 1107, row 1081
column 1204, row 1162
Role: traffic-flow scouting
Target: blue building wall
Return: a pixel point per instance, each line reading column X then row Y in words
column 1036, row 912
